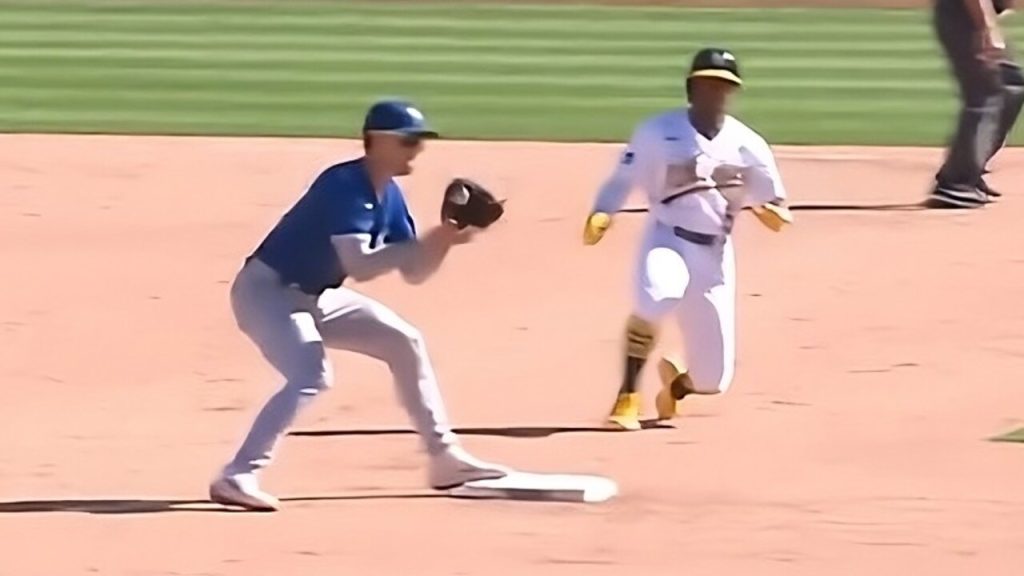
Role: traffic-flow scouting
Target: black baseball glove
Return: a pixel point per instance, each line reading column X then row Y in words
column 467, row 203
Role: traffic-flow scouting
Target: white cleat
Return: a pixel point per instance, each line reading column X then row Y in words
column 242, row 490
column 455, row 467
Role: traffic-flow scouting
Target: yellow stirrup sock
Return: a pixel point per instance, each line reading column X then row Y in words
column 640, row 339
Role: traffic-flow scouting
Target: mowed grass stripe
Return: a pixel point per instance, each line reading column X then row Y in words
column 757, row 68
column 423, row 81
column 588, row 122
column 179, row 97
column 901, row 130
column 339, row 20
column 464, row 59
column 454, row 21
column 294, row 69
column 568, row 31
column 536, row 8
column 49, row 38
column 790, row 40
column 298, row 13
column 279, row 80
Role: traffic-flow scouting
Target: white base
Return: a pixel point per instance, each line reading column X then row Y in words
column 547, row 487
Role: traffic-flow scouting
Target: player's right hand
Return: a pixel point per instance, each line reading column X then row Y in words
column 597, row 224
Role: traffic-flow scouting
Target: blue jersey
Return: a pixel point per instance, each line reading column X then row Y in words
column 340, row 201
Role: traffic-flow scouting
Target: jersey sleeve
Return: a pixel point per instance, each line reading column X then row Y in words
column 760, row 172
column 612, row 194
column 401, row 226
column 348, row 211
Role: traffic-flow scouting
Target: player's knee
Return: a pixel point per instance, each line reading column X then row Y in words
column 654, row 303
column 410, row 335
column 316, row 383
column 406, row 340
column 313, row 372
column 325, row 376
column 413, row 340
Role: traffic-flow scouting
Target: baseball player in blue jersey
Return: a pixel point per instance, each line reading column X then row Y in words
column 288, row 298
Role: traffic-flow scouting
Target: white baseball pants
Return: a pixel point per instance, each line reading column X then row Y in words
column 292, row 330
column 697, row 283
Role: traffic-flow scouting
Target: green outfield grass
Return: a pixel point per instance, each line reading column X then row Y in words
column 480, row 71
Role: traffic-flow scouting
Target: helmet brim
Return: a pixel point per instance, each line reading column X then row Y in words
column 726, row 75
column 421, row 132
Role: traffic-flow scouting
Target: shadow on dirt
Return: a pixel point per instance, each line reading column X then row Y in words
column 108, row 506
column 502, row 431
column 825, row 207
column 157, row 506
column 863, row 207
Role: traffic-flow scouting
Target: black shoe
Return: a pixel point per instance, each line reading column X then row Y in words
column 986, row 190
column 952, row 198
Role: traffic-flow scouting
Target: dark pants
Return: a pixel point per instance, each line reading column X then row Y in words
column 991, row 100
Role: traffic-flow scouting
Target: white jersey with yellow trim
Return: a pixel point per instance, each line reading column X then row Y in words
column 689, row 180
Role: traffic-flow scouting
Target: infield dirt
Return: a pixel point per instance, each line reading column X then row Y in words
column 878, row 350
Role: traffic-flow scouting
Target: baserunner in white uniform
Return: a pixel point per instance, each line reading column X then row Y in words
column 698, row 166
column 288, row 298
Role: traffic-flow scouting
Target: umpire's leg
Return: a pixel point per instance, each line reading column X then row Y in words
column 1013, row 100
column 981, row 96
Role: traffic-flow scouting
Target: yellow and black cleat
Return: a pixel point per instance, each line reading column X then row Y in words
column 674, row 386
column 626, row 413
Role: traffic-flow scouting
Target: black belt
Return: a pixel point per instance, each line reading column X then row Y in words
column 698, row 237
column 701, row 188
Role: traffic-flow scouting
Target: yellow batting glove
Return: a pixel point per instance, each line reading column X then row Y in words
column 597, row 224
column 773, row 216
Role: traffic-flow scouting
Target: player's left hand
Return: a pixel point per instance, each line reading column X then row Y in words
column 774, row 216
column 468, row 203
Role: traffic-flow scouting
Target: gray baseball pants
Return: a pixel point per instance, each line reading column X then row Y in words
column 293, row 330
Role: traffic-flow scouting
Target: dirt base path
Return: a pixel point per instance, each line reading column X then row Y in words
column 878, row 352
